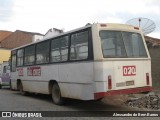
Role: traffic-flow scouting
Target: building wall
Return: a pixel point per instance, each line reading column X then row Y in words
column 155, row 65
column 18, row 38
column 52, row 32
column 4, row 55
column 37, row 38
column 4, row 34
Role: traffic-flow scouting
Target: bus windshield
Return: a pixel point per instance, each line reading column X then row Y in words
column 122, row 44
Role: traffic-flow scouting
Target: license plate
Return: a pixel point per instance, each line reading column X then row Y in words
column 128, row 83
column 129, row 70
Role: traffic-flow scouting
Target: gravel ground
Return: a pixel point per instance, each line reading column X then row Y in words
column 150, row 101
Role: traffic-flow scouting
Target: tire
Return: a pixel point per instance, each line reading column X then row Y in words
column 56, row 95
column 10, row 84
column 21, row 89
column 0, row 86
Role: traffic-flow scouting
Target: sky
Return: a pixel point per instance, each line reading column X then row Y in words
column 41, row 15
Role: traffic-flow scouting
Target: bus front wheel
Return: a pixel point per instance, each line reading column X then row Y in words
column 56, row 95
column 21, row 89
column 10, row 84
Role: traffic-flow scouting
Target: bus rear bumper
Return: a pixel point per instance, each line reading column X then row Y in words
column 100, row 95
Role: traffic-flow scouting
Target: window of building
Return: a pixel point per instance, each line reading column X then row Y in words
column 20, row 54
column 79, row 46
column 59, row 49
column 42, row 52
column 29, row 55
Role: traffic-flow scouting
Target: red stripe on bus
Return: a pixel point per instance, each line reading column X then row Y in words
column 124, row 91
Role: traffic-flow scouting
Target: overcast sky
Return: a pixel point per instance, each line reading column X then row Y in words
column 41, row 15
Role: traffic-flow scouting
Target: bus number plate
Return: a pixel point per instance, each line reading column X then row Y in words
column 128, row 83
column 129, row 70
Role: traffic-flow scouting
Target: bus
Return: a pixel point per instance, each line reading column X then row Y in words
column 87, row 63
column 4, row 74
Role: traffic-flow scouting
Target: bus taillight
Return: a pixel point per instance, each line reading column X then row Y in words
column 137, row 28
column 147, row 78
column 109, row 82
column 103, row 25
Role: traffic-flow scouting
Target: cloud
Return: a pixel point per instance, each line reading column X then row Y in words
column 6, row 10
column 121, row 11
column 41, row 15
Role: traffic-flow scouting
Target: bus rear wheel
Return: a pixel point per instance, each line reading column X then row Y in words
column 56, row 95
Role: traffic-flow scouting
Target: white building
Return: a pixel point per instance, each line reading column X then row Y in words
column 37, row 37
column 53, row 32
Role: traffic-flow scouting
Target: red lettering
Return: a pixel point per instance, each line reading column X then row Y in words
column 20, row 71
column 34, row 71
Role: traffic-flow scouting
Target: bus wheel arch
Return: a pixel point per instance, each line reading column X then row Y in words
column 55, row 92
column 20, row 87
column 18, row 83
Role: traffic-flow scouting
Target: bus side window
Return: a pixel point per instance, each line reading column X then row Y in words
column 42, row 52
column 59, row 49
column 29, row 55
column 79, row 46
column 20, row 54
column 13, row 63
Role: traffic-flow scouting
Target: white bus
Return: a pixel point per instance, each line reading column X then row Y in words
column 88, row 63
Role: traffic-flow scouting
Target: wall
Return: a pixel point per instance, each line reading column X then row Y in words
column 4, row 34
column 18, row 38
column 4, row 55
column 155, row 64
column 52, row 32
column 37, row 38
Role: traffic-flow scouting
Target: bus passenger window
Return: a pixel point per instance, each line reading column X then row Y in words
column 13, row 67
column 42, row 52
column 29, row 55
column 59, row 49
column 79, row 46
column 20, row 57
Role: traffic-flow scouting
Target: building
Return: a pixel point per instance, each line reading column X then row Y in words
column 154, row 50
column 19, row 38
column 4, row 55
column 4, row 34
column 53, row 32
